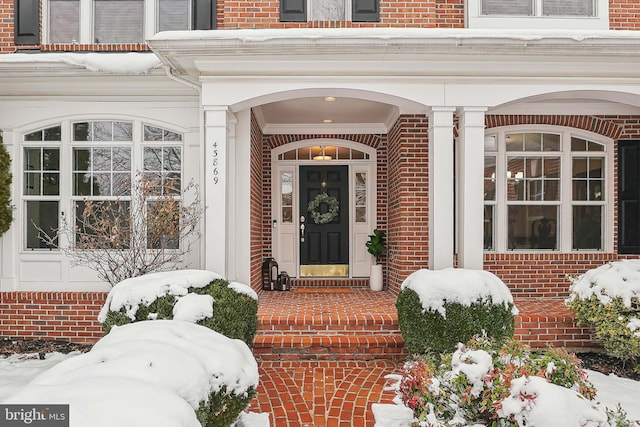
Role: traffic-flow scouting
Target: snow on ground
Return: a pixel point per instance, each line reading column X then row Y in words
column 151, row 373
column 18, row 370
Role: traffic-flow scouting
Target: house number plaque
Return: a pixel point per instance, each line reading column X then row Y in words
column 214, row 163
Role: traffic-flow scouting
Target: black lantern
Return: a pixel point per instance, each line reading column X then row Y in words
column 269, row 274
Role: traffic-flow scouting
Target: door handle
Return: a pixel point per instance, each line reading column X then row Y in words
column 302, row 227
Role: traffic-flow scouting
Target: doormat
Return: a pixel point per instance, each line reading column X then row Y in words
column 322, row 290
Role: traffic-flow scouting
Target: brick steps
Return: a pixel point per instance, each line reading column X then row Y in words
column 356, row 324
column 330, row 347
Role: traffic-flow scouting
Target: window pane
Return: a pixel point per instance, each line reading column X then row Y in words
column 490, row 143
column 173, row 15
column 43, row 215
column 594, row 146
column 550, row 142
column 118, row 21
column 507, row 7
column 152, row 159
column 81, row 131
column 31, row 183
column 532, row 227
column 32, row 159
column 50, row 159
column 101, row 159
column 490, row 178
column 361, row 197
column 172, row 159
column 122, row 131
column 488, row 227
column 152, row 133
column 532, row 142
column 64, row 21
column 514, row 141
column 567, row 8
column 587, row 227
column 163, row 224
column 102, row 131
column 322, row 10
column 102, row 224
column 595, row 167
column 286, row 189
column 122, row 159
column 34, row 136
column 578, row 144
column 50, row 184
column 53, row 134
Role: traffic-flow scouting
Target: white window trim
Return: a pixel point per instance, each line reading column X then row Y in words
column 150, row 21
column 474, row 19
column 564, row 227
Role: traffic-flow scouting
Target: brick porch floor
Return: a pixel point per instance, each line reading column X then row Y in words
column 323, row 353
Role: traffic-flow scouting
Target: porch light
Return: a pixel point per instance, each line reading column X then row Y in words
column 322, row 155
column 329, row 98
column 327, row 121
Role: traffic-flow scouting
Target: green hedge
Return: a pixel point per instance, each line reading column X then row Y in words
column 6, row 213
column 223, row 408
column 430, row 332
column 235, row 315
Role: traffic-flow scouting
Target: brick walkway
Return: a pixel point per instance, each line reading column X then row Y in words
column 323, row 353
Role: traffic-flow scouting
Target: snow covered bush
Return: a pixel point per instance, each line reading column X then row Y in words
column 479, row 384
column 438, row 309
column 165, row 372
column 198, row 296
column 608, row 298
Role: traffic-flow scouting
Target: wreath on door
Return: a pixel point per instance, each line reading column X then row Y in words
column 314, row 208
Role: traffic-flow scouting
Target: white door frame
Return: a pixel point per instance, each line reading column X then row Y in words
column 285, row 235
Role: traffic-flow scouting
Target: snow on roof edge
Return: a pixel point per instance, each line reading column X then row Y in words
column 112, row 63
column 261, row 35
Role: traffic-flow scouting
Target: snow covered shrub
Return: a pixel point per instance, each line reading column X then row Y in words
column 608, row 298
column 438, row 309
column 196, row 296
column 476, row 384
column 171, row 363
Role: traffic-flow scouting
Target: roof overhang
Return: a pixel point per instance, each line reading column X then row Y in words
column 445, row 53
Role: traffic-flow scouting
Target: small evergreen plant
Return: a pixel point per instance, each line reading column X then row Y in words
column 6, row 212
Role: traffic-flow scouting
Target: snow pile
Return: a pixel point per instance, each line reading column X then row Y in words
column 154, row 373
column 536, row 402
column 616, row 279
column 131, row 293
column 457, row 285
column 193, row 308
column 114, row 63
column 474, row 365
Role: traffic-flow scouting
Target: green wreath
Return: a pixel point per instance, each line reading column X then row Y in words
column 314, row 208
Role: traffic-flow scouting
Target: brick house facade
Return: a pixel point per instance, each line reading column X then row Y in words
column 415, row 95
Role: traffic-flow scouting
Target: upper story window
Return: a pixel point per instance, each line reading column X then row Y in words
column 329, row 10
column 123, row 21
column 536, row 14
column 547, row 191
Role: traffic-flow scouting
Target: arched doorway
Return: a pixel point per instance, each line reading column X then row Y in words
column 324, row 207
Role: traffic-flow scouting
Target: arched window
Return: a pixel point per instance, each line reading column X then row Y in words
column 546, row 190
column 71, row 163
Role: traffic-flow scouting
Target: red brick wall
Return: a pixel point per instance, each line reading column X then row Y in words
column 408, row 209
column 623, row 15
column 257, row 214
column 67, row 316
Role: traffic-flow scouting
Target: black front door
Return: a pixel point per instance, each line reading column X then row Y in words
column 324, row 240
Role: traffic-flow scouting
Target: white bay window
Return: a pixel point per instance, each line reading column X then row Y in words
column 545, row 191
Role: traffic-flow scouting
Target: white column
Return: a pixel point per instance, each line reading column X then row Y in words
column 218, row 125
column 241, row 264
column 441, row 213
column 471, row 187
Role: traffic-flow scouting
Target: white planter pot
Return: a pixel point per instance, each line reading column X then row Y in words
column 375, row 279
